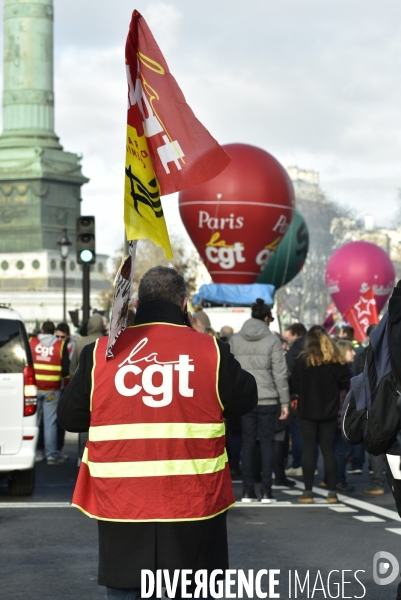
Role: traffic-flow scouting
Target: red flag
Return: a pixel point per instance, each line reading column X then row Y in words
column 168, row 149
column 362, row 314
column 331, row 318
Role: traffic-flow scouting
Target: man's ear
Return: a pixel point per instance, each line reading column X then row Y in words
column 136, row 303
column 184, row 304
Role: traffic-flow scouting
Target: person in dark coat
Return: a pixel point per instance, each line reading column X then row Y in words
column 319, row 374
column 94, row 330
column 295, row 336
column 125, row 548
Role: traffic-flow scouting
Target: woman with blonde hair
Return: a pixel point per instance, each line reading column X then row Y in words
column 320, row 372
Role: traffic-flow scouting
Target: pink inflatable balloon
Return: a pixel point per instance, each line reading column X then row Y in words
column 353, row 269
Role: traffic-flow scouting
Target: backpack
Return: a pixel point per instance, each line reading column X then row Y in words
column 372, row 408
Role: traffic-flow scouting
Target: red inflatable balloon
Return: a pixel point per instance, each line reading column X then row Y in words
column 353, row 269
column 238, row 219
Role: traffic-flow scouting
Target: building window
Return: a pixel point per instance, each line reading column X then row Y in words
column 100, row 267
column 36, row 264
column 20, row 265
column 72, row 265
column 53, row 264
column 4, row 265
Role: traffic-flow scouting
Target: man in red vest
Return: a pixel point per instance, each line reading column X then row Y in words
column 51, row 363
column 155, row 471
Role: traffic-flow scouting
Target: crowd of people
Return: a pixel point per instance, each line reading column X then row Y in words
column 303, row 377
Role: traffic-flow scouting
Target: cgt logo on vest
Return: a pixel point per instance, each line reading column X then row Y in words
column 146, row 375
column 44, row 351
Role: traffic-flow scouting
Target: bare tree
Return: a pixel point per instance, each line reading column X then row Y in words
column 306, row 298
column 186, row 260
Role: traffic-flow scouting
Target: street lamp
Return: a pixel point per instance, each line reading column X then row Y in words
column 64, row 244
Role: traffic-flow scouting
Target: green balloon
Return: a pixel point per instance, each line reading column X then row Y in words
column 290, row 256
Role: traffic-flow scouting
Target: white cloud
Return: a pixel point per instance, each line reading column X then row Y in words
column 164, row 20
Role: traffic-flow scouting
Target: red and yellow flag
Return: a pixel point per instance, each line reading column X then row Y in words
column 168, row 149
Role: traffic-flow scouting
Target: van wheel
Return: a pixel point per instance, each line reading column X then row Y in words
column 22, row 483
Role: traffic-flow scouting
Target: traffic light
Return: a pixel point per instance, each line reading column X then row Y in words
column 86, row 252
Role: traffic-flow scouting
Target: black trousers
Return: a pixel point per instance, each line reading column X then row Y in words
column 259, row 423
column 320, row 433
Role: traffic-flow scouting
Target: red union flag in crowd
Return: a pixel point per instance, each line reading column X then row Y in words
column 168, row 149
column 331, row 318
column 362, row 314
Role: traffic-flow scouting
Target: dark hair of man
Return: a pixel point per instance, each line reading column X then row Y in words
column 64, row 328
column 260, row 310
column 317, row 328
column 162, row 283
column 348, row 332
column 370, row 329
column 297, row 329
column 48, row 327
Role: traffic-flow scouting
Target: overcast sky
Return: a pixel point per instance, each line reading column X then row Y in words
column 315, row 83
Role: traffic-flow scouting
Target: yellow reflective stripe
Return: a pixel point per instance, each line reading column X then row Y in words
column 47, row 377
column 217, row 373
column 93, row 374
column 85, row 456
column 157, row 468
column 137, row 431
column 88, row 514
column 43, row 367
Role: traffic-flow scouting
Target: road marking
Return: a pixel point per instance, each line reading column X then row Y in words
column 255, row 523
column 370, row 519
column 293, row 492
column 378, row 510
column 343, row 509
column 394, row 530
column 35, row 504
column 282, row 505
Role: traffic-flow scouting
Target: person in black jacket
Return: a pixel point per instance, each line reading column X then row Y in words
column 319, row 374
column 295, row 336
column 127, row 547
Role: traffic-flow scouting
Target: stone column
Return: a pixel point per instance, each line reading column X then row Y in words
column 28, row 97
column 40, row 183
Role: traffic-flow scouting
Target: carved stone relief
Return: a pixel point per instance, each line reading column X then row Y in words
column 62, row 216
column 9, row 214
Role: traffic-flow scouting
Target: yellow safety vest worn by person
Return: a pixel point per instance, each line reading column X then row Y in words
column 47, row 362
column 156, row 448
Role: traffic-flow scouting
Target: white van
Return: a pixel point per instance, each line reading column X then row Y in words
column 18, row 405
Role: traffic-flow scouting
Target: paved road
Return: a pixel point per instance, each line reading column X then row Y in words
column 48, row 550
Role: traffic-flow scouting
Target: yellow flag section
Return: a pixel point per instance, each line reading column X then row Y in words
column 143, row 211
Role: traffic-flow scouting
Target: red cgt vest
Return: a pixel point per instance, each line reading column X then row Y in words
column 47, row 364
column 156, row 448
